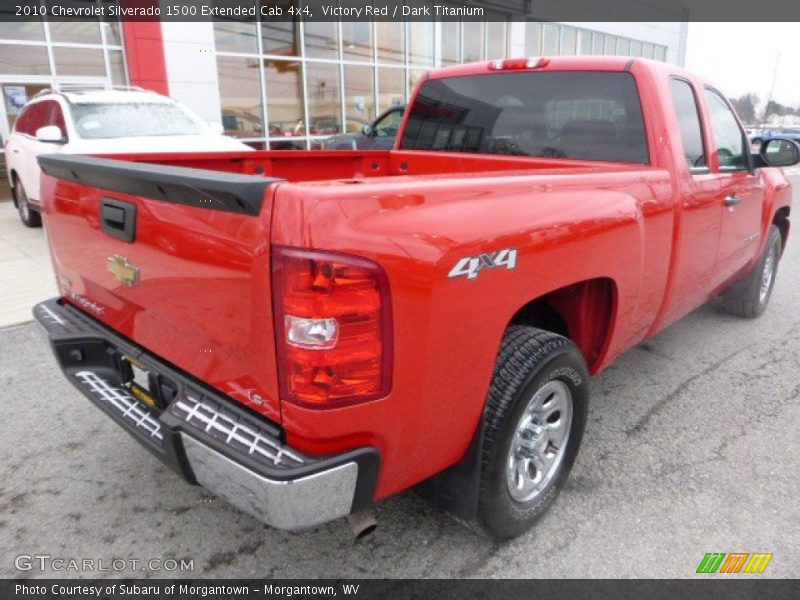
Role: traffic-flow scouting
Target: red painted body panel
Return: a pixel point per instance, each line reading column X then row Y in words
column 656, row 236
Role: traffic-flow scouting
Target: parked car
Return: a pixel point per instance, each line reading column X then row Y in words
column 789, row 133
column 97, row 121
column 378, row 135
column 427, row 316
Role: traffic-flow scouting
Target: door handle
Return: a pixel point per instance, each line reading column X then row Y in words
column 732, row 200
column 118, row 219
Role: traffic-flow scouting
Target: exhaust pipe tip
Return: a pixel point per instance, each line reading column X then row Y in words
column 362, row 523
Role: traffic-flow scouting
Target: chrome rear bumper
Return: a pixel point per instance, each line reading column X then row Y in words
column 205, row 436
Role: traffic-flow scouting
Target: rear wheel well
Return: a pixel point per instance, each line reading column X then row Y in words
column 781, row 220
column 582, row 312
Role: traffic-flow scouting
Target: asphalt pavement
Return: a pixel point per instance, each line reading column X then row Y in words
column 692, row 446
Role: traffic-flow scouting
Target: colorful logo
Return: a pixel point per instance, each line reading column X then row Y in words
column 734, row 562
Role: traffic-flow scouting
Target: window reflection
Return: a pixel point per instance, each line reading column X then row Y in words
column 451, row 43
column 240, row 96
column 391, row 88
column 496, row 39
column 281, row 38
column 473, row 41
column 391, row 42
column 79, row 61
column 322, row 40
column 284, row 97
column 235, row 36
column 27, row 31
column 324, row 101
column 420, row 43
column 359, row 96
column 75, row 32
column 117, row 65
column 357, row 41
column 24, row 60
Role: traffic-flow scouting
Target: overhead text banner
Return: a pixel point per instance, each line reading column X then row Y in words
column 409, row 10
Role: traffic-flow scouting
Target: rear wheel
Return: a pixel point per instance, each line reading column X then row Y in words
column 535, row 417
column 749, row 297
column 28, row 216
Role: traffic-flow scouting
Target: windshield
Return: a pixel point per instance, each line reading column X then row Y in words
column 579, row 115
column 115, row 120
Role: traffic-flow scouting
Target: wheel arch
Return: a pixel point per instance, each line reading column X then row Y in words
column 583, row 312
column 781, row 221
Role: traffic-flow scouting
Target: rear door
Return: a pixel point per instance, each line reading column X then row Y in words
column 699, row 199
column 741, row 192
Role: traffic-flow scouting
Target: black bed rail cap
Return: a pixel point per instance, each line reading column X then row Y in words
column 201, row 188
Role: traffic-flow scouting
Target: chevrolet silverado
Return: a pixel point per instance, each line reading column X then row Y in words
column 304, row 333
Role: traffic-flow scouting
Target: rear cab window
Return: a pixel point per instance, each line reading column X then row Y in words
column 576, row 115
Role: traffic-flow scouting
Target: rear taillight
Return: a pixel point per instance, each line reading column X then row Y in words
column 333, row 327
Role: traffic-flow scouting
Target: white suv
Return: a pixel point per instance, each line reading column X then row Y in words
column 100, row 122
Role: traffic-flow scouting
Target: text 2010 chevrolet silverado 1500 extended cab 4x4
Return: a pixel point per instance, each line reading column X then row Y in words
column 304, row 333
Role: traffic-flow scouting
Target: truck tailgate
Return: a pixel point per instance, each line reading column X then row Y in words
column 175, row 259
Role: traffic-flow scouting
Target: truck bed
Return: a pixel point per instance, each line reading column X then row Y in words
column 201, row 252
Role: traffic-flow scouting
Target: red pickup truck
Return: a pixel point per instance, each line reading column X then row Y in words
column 305, row 333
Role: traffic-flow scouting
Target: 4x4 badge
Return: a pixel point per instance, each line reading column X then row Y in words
column 125, row 272
column 471, row 266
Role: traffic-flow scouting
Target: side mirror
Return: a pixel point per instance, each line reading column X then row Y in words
column 778, row 152
column 50, row 134
column 367, row 130
column 216, row 128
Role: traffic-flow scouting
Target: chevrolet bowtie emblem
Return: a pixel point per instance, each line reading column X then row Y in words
column 124, row 271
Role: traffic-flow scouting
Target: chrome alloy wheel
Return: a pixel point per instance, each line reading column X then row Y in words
column 767, row 275
column 540, row 441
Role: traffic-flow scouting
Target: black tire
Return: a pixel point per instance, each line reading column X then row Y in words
column 529, row 359
column 749, row 297
column 28, row 216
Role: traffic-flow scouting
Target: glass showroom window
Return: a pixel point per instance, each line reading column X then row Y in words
column 391, row 42
column 240, row 96
column 324, row 99
column 281, row 38
column 533, row 38
column 391, row 88
column 27, row 32
column 359, row 101
column 285, row 101
column 233, row 36
column 23, row 60
column 357, row 41
column 72, row 61
column 420, row 44
column 75, row 33
column 496, row 39
column 451, row 43
column 321, row 40
column 473, row 41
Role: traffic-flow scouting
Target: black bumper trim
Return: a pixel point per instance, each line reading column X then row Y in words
column 81, row 343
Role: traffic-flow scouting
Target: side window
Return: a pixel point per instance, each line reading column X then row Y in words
column 389, row 125
column 728, row 136
column 688, row 116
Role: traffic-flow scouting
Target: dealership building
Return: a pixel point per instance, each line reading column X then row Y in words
column 288, row 84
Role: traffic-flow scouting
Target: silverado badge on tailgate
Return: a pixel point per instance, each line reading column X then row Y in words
column 125, row 272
